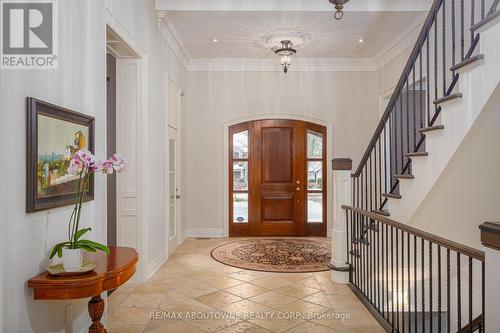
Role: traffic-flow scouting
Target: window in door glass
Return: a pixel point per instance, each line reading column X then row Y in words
column 314, row 175
column 314, row 145
column 240, row 175
column 240, row 207
column 240, row 145
column 314, row 207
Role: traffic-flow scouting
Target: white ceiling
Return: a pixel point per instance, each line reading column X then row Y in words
column 240, row 33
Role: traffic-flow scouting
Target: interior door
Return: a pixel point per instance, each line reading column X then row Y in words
column 276, row 183
column 173, row 191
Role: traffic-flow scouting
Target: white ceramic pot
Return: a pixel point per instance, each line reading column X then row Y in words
column 72, row 259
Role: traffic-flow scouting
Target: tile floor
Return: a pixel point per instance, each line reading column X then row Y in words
column 194, row 293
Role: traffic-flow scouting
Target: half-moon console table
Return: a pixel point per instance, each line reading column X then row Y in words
column 111, row 272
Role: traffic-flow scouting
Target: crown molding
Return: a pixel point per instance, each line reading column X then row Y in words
column 291, row 5
column 405, row 40
column 273, row 65
column 167, row 30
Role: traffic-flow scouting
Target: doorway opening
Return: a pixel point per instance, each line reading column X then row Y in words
column 277, row 178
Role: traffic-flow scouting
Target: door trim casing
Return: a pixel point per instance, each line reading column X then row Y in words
column 329, row 156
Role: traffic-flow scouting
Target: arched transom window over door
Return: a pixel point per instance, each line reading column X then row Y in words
column 277, row 182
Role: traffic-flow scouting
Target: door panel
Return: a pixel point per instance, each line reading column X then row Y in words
column 269, row 166
column 277, row 200
column 276, row 149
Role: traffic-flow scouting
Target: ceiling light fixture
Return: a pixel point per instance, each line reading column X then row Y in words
column 361, row 40
column 339, row 6
column 215, row 40
column 285, row 51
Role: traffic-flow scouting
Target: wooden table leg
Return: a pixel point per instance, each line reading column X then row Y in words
column 96, row 310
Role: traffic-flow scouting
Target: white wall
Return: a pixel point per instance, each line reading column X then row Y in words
column 78, row 84
column 347, row 100
column 468, row 191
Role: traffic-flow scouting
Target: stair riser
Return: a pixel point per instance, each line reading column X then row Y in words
column 477, row 86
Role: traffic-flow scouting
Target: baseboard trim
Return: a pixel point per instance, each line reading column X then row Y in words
column 204, row 233
column 155, row 265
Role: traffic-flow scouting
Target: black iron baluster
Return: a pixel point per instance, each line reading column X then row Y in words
column 387, row 268
column 401, row 123
column 459, row 294
column 445, row 69
column 397, row 280
column 453, row 34
column 377, row 235
column 347, row 237
column 428, row 82
column 402, row 280
column 414, row 114
column 415, row 247
column 483, row 295
column 423, row 284
column 472, row 19
column 407, row 117
column 385, row 161
column 462, row 30
column 435, row 66
column 430, row 287
column 371, row 183
column 439, row 287
column 392, row 276
column 420, row 95
column 448, row 287
column 384, row 280
column 470, row 295
column 409, row 290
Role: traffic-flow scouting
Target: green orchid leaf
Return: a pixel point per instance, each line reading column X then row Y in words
column 95, row 245
column 57, row 249
column 87, row 248
column 81, row 232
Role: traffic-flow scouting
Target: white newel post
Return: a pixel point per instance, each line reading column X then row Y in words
column 341, row 196
column 490, row 237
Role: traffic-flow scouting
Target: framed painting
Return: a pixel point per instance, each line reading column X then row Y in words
column 54, row 134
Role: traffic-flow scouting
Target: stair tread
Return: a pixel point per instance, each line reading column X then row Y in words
column 466, row 62
column 403, row 176
column 485, row 21
column 431, row 128
column 417, row 154
column 381, row 212
column 392, row 195
column 448, row 98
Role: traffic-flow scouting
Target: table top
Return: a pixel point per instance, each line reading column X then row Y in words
column 111, row 272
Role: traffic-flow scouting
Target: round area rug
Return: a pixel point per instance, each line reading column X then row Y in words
column 276, row 255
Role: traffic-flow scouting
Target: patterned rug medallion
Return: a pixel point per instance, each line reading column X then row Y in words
column 285, row 255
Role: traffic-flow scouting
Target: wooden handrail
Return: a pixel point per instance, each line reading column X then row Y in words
column 401, row 83
column 446, row 243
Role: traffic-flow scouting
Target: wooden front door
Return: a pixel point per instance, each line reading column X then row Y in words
column 276, row 183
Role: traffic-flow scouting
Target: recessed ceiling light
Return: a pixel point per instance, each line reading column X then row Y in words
column 361, row 40
column 215, row 40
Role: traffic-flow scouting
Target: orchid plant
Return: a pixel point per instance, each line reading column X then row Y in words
column 82, row 165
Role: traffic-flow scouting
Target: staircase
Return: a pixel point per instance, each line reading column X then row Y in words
column 451, row 74
column 411, row 280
